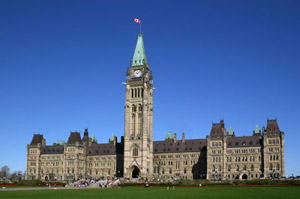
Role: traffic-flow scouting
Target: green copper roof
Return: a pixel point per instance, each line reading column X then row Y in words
column 94, row 138
column 139, row 53
column 169, row 135
column 60, row 142
column 112, row 138
column 230, row 131
column 256, row 130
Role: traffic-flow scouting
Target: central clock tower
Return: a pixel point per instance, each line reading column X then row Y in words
column 138, row 132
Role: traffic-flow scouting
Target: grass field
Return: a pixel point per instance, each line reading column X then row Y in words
column 158, row 193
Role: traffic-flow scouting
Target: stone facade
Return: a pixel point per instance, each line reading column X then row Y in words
column 219, row 156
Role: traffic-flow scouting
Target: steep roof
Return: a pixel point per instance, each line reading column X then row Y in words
column 244, row 141
column 101, row 149
column 37, row 139
column 139, row 56
column 169, row 146
column 218, row 129
column 272, row 126
column 74, row 137
column 53, row 149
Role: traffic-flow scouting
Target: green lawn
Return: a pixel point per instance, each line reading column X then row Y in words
column 159, row 193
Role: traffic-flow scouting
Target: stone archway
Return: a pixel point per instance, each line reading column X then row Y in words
column 244, row 176
column 135, row 172
column 46, row 178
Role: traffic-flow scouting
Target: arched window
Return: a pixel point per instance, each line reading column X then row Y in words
column 170, row 171
column 252, row 167
column 132, row 93
column 237, row 168
column 133, row 108
column 135, row 152
column 140, row 108
column 220, row 167
column 142, row 92
column 213, row 168
column 184, row 171
column 245, row 168
column 138, row 92
column 277, row 167
column 135, row 94
column 270, row 167
column 229, row 168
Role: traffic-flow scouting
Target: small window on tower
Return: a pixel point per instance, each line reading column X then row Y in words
column 135, row 152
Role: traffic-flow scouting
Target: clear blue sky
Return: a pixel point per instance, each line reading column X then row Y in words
column 62, row 64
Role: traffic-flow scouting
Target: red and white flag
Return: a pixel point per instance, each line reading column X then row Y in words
column 136, row 20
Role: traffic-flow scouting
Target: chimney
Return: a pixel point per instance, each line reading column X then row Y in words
column 115, row 140
column 43, row 142
column 183, row 138
column 175, row 137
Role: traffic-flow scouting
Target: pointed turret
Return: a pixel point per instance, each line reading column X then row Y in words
column 230, row 131
column 94, row 139
column 112, row 138
column 169, row 135
column 256, row 130
column 139, row 57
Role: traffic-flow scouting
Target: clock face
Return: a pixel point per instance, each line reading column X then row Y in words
column 137, row 73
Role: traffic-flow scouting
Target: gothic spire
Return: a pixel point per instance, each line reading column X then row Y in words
column 139, row 57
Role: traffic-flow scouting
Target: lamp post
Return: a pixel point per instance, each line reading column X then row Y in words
column 55, row 182
column 4, row 182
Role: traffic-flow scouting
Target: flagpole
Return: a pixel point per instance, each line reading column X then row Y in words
column 141, row 27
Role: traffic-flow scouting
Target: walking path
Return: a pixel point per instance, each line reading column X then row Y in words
column 43, row 188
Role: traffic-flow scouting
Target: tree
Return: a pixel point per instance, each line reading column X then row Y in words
column 16, row 176
column 4, row 172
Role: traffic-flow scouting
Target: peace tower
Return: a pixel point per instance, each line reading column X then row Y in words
column 138, row 132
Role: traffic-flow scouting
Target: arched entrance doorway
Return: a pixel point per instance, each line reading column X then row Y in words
column 135, row 172
column 46, row 178
column 244, row 176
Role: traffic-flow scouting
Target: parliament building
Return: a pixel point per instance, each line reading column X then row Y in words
column 220, row 156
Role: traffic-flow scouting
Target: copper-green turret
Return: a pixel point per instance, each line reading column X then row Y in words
column 139, row 57
column 169, row 135
column 230, row 131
